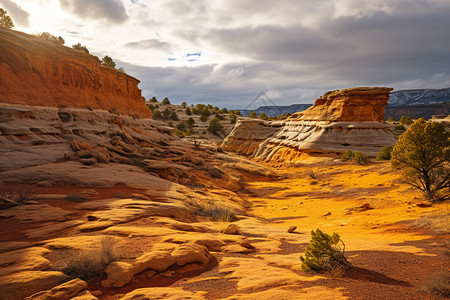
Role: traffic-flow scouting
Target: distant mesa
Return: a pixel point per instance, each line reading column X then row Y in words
column 348, row 119
column 36, row 72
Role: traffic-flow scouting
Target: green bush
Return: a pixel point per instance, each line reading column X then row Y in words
column 215, row 126
column 406, row 120
column 174, row 116
column 347, row 155
column 385, row 153
column 263, row 116
column 5, row 20
column 179, row 133
column 108, row 61
column 81, row 48
column 166, row 101
column 359, row 157
column 188, row 111
column 253, row 115
column 190, row 122
column 324, row 253
column 399, row 127
column 157, row 115
column 203, row 118
column 153, row 99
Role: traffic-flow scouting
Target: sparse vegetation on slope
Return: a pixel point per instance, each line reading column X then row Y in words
column 91, row 264
column 325, row 253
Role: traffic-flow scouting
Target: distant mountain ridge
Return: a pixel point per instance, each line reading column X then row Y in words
column 274, row 111
column 404, row 98
column 419, row 97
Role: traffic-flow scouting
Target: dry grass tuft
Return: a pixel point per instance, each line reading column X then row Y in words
column 212, row 210
column 438, row 285
column 91, row 264
column 13, row 196
column 438, row 223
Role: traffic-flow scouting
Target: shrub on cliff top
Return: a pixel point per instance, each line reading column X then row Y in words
column 166, row 101
column 5, row 20
column 324, row 253
column 81, row 48
column 108, row 61
column 51, row 38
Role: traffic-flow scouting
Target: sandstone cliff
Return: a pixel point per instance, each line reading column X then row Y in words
column 348, row 119
column 36, row 72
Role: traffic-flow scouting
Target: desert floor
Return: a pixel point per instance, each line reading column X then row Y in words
column 393, row 239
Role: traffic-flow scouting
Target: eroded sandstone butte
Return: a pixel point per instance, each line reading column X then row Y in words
column 37, row 72
column 348, row 119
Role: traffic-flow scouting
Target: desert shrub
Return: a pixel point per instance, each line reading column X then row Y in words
column 51, row 38
column 263, row 116
column 81, row 48
column 183, row 104
column 203, row 119
column 359, row 157
column 170, row 124
column 188, row 111
column 206, row 112
column 233, row 119
column 12, row 196
column 219, row 116
column 108, row 61
column 179, row 133
column 182, row 126
column 151, row 106
column 390, row 119
column 5, row 20
column 224, row 110
column 312, row 175
column 166, row 101
column 253, row 115
column 190, row 122
column 406, row 120
column 324, row 253
column 422, row 153
column 438, row 285
column 399, row 127
column 212, row 210
column 215, row 126
column 385, row 153
column 347, row 155
column 153, row 99
column 437, row 222
column 91, row 264
column 157, row 115
column 174, row 116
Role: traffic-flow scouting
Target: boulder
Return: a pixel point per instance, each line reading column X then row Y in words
column 63, row 291
column 191, row 253
column 155, row 260
column 231, row 229
column 23, row 284
column 118, row 274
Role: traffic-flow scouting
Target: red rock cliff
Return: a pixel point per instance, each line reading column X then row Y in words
column 36, row 72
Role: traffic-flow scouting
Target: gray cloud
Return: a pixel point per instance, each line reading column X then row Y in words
column 19, row 16
column 150, row 44
column 111, row 10
column 299, row 50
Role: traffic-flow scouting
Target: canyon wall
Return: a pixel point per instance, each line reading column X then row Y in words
column 37, row 72
column 348, row 119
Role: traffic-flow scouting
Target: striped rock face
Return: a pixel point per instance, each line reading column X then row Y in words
column 348, row 119
column 37, row 72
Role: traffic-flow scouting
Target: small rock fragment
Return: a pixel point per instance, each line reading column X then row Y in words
column 292, row 228
column 231, row 229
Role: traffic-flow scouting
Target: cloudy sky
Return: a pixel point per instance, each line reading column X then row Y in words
column 227, row 52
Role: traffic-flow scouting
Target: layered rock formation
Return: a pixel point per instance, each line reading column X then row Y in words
column 34, row 71
column 348, row 119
